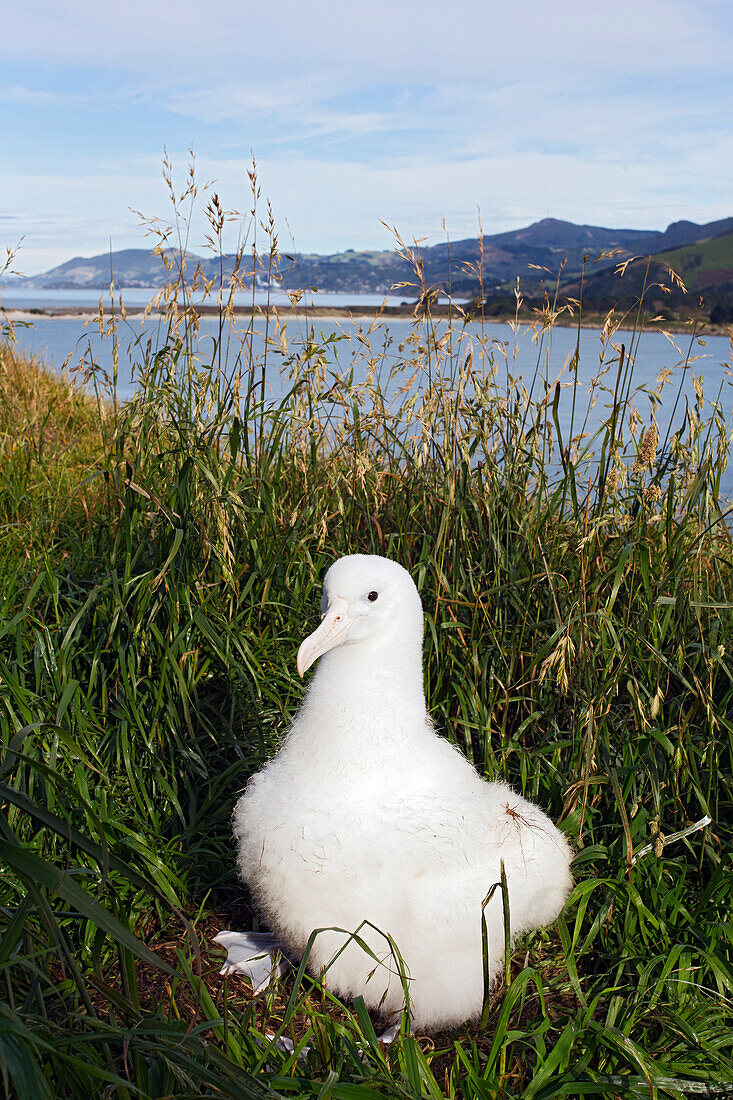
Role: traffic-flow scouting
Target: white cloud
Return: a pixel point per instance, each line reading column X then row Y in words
column 290, row 114
column 38, row 97
column 402, row 40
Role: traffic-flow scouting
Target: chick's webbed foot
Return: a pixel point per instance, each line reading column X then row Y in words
column 253, row 954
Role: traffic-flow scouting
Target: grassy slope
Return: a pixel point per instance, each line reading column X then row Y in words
column 704, row 267
column 578, row 646
column 704, row 264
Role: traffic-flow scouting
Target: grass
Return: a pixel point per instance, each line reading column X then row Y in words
column 160, row 560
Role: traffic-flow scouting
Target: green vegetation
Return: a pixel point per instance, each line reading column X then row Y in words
column 701, row 262
column 160, row 562
column 694, row 279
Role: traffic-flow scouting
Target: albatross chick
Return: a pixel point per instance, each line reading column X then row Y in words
column 367, row 815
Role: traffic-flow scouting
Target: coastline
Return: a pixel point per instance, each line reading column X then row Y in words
column 345, row 313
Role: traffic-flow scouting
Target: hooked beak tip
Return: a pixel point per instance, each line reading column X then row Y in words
column 331, row 633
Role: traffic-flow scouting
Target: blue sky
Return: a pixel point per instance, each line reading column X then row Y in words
column 408, row 111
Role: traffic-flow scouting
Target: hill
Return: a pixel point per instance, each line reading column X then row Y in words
column 706, row 264
column 129, row 267
column 705, row 267
column 533, row 253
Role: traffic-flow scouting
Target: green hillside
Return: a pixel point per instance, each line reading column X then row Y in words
column 703, row 264
column 705, row 267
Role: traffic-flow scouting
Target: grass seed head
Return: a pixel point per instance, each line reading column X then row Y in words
column 648, row 449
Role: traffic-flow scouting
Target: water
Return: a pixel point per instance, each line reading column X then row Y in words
column 20, row 298
column 56, row 338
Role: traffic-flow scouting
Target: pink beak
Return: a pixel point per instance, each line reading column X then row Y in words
column 332, row 632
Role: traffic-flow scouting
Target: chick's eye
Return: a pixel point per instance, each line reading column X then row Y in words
column 372, row 596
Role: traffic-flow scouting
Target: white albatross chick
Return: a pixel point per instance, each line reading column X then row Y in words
column 367, row 815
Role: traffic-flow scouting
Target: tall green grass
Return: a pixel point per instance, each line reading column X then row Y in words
column 161, row 560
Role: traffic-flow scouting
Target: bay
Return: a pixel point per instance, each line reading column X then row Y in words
column 357, row 347
column 28, row 298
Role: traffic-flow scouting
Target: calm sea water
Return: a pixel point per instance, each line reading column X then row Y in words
column 711, row 359
column 17, row 297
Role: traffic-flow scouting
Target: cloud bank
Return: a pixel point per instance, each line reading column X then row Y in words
column 409, row 112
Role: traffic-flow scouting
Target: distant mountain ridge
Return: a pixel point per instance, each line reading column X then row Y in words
column 547, row 244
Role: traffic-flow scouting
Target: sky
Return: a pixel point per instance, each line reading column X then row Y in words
column 408, row 112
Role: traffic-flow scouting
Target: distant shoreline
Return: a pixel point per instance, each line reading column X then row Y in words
column 341, row 313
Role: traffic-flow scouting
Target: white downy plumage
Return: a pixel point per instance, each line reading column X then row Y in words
column 366, row 814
